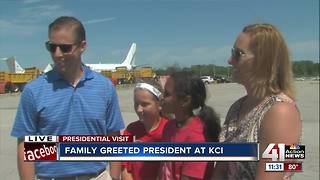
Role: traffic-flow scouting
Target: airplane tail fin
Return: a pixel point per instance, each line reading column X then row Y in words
column 129, row 60
column 13, row 65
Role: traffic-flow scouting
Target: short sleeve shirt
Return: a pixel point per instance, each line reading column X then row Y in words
column 191, row 132
column 144, row 170
column 49, row 105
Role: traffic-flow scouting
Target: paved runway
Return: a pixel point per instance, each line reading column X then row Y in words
column 221, row 96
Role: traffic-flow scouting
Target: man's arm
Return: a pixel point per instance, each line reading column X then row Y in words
column 115, row 167
column 115, row 170
column 26, row 169
column 125, row 175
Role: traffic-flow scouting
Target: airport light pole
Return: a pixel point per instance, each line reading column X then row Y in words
column 214, row 68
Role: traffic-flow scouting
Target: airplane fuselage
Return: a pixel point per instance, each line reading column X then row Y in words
column 108, row 67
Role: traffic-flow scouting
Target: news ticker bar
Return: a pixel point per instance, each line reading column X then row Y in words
column 283, row 166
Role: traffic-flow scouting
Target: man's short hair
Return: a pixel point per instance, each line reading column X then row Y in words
column 69, row 22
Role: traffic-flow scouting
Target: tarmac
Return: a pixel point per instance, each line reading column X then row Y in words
column 221, row 96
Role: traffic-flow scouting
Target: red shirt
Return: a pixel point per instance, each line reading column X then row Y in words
column 144, row 170
column 191, row 132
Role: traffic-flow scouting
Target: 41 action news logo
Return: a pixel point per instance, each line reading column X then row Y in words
column 280, row 152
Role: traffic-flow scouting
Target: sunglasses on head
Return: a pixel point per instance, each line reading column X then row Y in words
column 64, row 48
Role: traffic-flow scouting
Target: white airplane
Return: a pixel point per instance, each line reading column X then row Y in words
column 128, row 62
column 13, row 65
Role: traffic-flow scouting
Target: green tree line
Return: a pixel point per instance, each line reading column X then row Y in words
column 304, row 68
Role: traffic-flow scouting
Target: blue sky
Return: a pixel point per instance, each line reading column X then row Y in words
column 183, row 32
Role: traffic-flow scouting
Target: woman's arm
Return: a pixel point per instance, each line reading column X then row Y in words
column 281, row 124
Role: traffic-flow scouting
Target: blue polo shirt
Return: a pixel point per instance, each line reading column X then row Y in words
column 49, row 105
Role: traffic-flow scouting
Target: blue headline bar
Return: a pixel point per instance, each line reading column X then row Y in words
column 158, row 149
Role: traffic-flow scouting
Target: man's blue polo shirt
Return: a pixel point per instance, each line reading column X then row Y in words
column 49, row 105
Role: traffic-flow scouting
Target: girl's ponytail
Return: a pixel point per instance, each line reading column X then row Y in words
column 211, row 121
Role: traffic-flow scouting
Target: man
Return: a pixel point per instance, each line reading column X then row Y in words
column 71, row 100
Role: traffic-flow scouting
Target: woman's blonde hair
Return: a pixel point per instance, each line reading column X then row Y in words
column 272, row 72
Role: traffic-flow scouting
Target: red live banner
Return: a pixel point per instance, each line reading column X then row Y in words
column 95, row 138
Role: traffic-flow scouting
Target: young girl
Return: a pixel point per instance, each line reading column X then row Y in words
column 148, row 128
column 183, row 94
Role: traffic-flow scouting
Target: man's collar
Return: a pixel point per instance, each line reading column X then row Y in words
column 88, row 73
column 54, row 75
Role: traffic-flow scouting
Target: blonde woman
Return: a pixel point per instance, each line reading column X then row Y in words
column 268, row 113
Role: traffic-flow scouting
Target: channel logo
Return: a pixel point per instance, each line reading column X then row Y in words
column 294, row 151
column 280, row 152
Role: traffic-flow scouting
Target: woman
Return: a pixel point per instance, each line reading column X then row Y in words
column 183, row 94
column 268, row 113
column 148, row 128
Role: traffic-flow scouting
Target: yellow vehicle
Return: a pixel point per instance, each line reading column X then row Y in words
column 107, row 73
column 144, row 73
column 13, row 82
column 122, row 76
